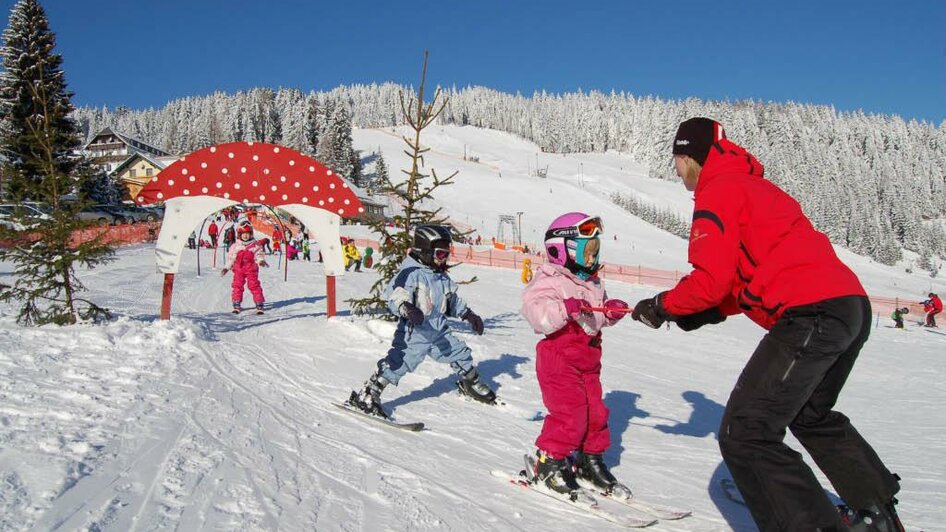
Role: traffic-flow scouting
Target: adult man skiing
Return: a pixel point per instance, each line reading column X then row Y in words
column 753, row 251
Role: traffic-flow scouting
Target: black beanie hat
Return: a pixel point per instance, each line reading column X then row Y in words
column 696, row 136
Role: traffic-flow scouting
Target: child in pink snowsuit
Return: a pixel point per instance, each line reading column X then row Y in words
column 568, row 362
column 244, row 258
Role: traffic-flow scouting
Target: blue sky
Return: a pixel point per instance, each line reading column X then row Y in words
column 882, row 57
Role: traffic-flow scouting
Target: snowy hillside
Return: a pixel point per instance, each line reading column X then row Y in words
column 218, row 422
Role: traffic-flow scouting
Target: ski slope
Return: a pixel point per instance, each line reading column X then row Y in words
column 212, row 421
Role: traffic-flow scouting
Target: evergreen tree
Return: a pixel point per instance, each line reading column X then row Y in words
column 39, row 143
column 411, row 194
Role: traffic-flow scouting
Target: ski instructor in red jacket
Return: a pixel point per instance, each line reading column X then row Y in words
column 754, row 252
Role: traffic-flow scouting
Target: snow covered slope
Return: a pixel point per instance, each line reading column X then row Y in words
column 217, row 422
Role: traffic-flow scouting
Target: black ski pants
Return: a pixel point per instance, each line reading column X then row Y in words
column 793, row 380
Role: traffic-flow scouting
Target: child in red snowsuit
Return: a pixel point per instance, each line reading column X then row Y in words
column 244, row 258
column 568, row 364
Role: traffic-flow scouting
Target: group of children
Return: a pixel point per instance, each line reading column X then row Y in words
column 932, row 307
column 565, row 302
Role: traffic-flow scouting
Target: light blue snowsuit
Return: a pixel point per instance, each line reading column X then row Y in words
column 435, row 294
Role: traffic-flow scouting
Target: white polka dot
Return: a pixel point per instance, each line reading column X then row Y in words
column 315, row 188
column 282, row 178
column 255, row 183
column 160, row 195
column 321, row 202
column 262, row 197
column 213, row 149
column 347, row 202
column 331, row 200
column 305, row 199
column 296, row 184
column 225, row 171
column 203, row 165
column 292, row 162
column 328, row 172
column 183, row 171
column 170, row 182
column 230, row 155
column 236, row 186
column 273, row 188
column 243, row 169
column 187, row 192
column 204, row 190
column 285, row 197
column 219, row 184
column 276, row 149
column 226, row 195
column 361, row 209
column 256, row 157
column 311, row 168
column 331, row 185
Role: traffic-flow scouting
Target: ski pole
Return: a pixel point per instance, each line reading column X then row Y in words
column 606, row 309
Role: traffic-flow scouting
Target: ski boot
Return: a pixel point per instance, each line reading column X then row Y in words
column 557, row 475
column 236, row 307
column 875, row 518
column 259, row 308
column 369, row 400
column 472, row 386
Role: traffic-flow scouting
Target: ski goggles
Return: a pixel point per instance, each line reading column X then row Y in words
column 588, row 228
column 441, row 254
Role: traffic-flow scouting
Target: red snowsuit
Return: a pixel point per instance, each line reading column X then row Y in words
column 936, row 306
column 243, row 260
column 752, row 248
column 568, row 361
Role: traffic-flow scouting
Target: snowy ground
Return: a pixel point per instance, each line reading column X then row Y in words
column 215, row 421
column 218, row 422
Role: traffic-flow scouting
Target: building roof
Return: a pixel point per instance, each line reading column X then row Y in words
column 133, row 143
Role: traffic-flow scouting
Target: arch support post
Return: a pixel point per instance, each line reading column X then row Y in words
column 166, row 296
column 330, row 294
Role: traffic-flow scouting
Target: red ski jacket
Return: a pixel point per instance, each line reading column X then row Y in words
column 752, row 249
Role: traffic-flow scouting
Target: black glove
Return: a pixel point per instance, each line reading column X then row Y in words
column 411, row 313
column 696, row 320
column 475, row 321
column 650, row 312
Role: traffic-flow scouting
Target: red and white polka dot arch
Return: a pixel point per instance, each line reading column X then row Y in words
column 216, row 177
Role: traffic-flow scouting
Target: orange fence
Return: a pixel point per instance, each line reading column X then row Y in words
column 489, row 256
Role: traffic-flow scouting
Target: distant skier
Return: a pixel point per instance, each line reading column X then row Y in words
column 932, row 306
column 213, row 231
column 423, row 296
column 568, row 358
column 755, row 252
column 245, row 258
column 897, row 316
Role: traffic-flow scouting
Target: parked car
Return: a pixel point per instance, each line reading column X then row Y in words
column 100, row 216
column 129, row 213
column 30, row 213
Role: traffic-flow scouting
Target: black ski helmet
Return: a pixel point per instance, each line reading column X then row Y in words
column 427, row 238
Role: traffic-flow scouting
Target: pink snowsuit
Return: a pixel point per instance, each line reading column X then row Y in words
column 243, row 260
column 568, row 363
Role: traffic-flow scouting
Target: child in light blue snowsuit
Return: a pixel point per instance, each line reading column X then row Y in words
column 423, row 296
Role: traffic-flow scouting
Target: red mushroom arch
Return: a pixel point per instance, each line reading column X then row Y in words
column 216, row 177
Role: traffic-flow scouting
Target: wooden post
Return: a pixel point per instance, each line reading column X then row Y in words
column 166, row 296
column 330, row 293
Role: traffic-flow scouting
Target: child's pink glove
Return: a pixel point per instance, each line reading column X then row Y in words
column 573, row 307
column 619, row 306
